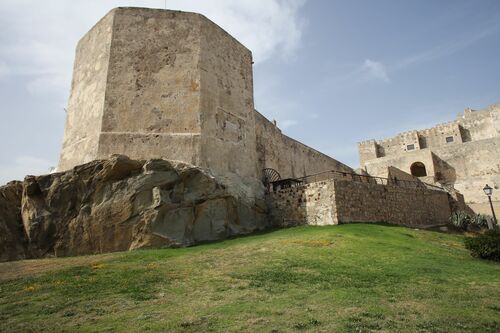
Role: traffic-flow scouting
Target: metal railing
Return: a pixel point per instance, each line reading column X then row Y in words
column 334, row 174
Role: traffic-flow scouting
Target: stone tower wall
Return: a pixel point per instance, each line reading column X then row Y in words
column 154, row 83
column 228, row 125
column 86, row 102
column 152, row 105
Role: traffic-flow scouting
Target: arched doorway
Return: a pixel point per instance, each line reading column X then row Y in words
column 418, row 169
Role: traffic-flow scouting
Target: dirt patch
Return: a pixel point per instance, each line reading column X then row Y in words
column 18, row 269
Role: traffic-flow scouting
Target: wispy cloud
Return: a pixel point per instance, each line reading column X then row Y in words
column 287, row 123
column 374, row 70
column 4, row 69
column 368, row 71
column 37, row 40
column 445, row 50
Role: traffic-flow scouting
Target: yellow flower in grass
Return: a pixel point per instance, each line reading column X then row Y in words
column 31, row 287
column 97, row 265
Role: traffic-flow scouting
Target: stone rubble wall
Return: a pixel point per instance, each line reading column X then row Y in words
column 336, row 201
column 312, row 204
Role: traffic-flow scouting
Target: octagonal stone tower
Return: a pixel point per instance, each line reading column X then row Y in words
column 160, row 83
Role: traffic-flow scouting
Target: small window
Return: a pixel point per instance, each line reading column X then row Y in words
column 410, row 147
column 449, row 139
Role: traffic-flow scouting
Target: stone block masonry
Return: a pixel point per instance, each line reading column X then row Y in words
column 152, row 83
column 335, row 201
column 463, row 155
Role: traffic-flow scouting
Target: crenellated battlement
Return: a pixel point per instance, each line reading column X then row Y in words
column 463, row 152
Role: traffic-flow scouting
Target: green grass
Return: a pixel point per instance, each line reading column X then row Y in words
column 348, row 278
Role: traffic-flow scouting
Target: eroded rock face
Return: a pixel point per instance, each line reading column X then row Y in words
column 122, row 204
column 13, row 241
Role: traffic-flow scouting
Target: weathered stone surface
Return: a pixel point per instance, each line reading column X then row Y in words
column 152, row 83
column 334, row 201
column 13, row 241
column 122, row 204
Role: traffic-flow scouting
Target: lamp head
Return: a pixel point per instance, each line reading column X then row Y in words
column 488, row 190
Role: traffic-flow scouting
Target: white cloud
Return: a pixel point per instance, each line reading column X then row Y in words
column 368, row 71
column 38, row 38
column 22, row 166
column 267, row 27
column 446, row 49
column 287, row 123
column 38, row 41
column 375, row 70
column 4, row 69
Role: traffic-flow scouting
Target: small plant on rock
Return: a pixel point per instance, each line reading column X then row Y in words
column 460, row 219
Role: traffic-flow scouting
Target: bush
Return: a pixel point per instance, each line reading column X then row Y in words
column 460, row 219
column 464, row 221
column 481, row 220
column 486, row 246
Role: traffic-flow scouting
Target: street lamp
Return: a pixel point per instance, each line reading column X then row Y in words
column 489, row 191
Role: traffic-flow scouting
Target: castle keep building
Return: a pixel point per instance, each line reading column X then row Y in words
column 160, row 85
column 152, row 83
column 464, row 154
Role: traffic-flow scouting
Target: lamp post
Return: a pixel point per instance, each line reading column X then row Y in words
column 488, row 191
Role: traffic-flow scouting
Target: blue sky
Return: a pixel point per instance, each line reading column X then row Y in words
column 332, row 73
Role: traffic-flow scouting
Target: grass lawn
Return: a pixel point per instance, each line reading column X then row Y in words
column 348, row 278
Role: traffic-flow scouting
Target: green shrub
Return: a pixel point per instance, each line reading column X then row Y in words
column 460, row 219
column 486, row 246
column 481, row 220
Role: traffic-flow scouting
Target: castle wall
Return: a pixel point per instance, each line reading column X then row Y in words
column 228, row 141
column 379, row 167
column 467, row 162
column 336, row 201
column 312, row 204
column 471, row 126
column 436, row 136
column 289, row 157
column 86, row 102
column 397, row 144
column 152, row 106
column 472, row 165
column 468, row 166
column 174, row 85
column 367, row 151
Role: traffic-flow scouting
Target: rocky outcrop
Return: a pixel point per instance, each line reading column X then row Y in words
column 123, row 204
column 13, row 241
